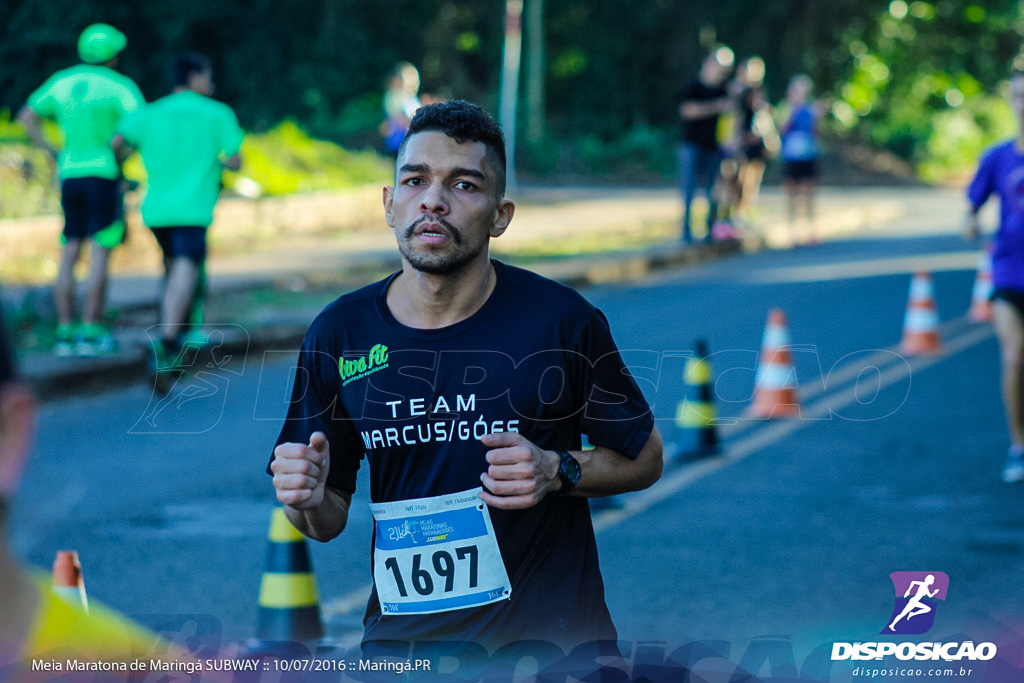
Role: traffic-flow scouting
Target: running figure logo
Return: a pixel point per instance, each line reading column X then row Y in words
column 917, row 594
column 404, row 531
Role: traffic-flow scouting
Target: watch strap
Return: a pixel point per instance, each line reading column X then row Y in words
column 568, row 472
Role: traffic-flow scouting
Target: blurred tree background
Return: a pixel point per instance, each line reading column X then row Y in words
column 919, row 80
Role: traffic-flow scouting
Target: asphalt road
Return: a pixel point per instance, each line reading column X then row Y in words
column 780, row 546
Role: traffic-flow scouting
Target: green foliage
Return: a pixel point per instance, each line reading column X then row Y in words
column 27, row 187
column 10, row 130
column 283, row 160
column 959, row 136
column 286, row 159
column 641, row 151
column 322, row 63
column 642, row 155
column 894, row 72
column 920, row 81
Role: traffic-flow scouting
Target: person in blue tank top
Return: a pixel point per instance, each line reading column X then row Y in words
column 800, row 152
column 467, row 385
column 1001, row 173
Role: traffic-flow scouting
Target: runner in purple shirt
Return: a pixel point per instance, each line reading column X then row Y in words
column 1001, row 172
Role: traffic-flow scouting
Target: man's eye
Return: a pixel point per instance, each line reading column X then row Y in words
column 465, row 185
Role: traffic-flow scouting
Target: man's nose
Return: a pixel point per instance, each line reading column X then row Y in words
column 435, row 199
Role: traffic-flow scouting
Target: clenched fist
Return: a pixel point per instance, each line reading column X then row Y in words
column 300, row 472
column 519, row 474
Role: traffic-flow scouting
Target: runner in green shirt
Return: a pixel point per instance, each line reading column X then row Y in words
column 185, row 140
column 87, row 101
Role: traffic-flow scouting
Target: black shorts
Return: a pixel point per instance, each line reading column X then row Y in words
column 92, row 208
column 187, row 241
column 1010, row 296
column 800, row 170
column 755, row 151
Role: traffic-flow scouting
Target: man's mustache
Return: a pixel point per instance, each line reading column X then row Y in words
column 452, row 230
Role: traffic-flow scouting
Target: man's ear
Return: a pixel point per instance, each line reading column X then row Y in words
column 17, row 426
column 503, row 216
column 389, row 206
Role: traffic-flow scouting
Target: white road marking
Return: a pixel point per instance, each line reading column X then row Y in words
column 774, row 432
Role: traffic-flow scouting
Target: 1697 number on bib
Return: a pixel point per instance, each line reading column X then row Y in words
column 436, row 554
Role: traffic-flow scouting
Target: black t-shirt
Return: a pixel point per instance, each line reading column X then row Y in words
column 537, row 358
column 703, row 131
column 747, row 110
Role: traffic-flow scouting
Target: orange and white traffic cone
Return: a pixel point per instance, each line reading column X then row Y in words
column 921, row 323
column 981, row 303
column 775, row 390
column 67, row 581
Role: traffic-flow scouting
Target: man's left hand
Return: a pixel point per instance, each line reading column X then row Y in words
column 520, row 473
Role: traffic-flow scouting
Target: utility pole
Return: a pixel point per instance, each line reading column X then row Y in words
column 533, row 27
column 510, row 83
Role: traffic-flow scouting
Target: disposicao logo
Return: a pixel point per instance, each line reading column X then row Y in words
column 917, row 596
column 913, row 613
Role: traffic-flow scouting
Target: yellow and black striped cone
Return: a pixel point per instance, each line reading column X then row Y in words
column 289, row 607
column 696, row 413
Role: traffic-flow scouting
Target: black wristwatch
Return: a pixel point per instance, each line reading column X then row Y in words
column 568, row 472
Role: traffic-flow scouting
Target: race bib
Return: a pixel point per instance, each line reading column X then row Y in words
column 437, row 554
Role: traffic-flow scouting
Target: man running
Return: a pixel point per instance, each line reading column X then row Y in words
column 87, row 102
column 185, row 139
column 915, row 606
column 1001, row 172
column 467, row 385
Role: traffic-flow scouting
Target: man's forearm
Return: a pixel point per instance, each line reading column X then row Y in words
column 325, row 521
column 972, row 224
column 607, row 473
column 31, row 121
column 122, row 150
column 700, row 110
column 233, row 162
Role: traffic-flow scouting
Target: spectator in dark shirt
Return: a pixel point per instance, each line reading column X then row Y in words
column 700, row 105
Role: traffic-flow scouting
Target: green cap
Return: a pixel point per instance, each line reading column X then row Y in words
column 100, row 43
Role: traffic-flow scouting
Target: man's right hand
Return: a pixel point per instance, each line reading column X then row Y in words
column 972, row 227
column 300, row 472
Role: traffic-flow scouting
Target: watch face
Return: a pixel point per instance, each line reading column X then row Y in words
column 571, row 469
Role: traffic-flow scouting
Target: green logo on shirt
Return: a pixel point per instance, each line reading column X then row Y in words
column 352, row 369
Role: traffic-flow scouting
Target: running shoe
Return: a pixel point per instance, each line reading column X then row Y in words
column 94, row 339
column 64, row 346
column 194, row 338
column 1013, row 471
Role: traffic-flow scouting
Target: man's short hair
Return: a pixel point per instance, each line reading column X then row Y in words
column 463, row 122
column 184, row 65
